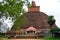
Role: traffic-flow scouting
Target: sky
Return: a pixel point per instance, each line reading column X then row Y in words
column 49, row 7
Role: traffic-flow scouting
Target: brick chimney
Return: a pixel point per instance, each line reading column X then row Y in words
column 34, row 8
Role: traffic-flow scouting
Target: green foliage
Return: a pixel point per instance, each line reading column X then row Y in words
column 54, row 30
column 14, row 8
column 28, row 3
column 0, row 34
column 51, row 38
column 50, row 17
column 51, row 20
column 20, row 21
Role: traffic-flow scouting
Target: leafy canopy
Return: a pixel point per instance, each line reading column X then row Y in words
column 51, row 20
column 14, row 8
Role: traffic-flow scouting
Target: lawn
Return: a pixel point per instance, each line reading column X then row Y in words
column 32, row 39
column 50, row 38
column 46, row 38
column 3, row 39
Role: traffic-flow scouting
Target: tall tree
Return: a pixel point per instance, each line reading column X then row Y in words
column 51, row 22
column 13, row 9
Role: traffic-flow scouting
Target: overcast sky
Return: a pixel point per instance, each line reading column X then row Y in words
column 50, row 7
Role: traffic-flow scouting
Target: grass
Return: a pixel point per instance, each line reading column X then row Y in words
column 50, row 38
column 3, row 39
column 46, row 38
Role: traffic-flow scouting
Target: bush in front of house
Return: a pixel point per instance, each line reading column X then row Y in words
column 3, row 35
column 55, row 32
